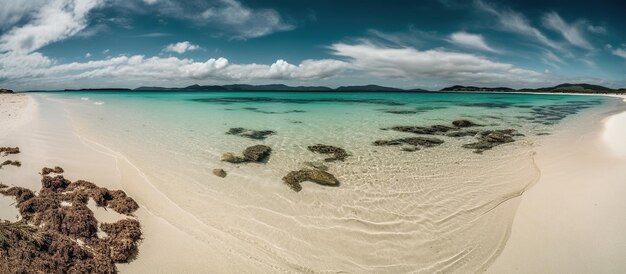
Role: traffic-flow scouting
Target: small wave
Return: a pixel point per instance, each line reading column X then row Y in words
column 84, row 98
column 98, row 103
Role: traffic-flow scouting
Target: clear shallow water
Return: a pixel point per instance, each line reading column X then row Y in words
column 442, row 208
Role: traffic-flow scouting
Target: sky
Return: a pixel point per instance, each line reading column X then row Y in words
column 430, row 44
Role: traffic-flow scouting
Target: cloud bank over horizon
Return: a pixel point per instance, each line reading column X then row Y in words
column 60, row 44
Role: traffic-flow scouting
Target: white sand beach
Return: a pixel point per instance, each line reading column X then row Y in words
column 569, row 221
column 572, row 220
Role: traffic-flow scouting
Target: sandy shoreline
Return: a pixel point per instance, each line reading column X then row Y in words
column 571, row 221
column 164, row 248
column 566, row 161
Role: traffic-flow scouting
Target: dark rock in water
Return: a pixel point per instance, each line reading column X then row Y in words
column 432, row 130
column 257, row 153
column 463, row 123
column 338, row 153
column 219, row 172
column 230, row 100
column 394, row 111
column 492, row 138
column 462, row 133
column 250, row 133
column 488, row 105
column 409, row 148
column 232, row 158
column 5, row 91
column 294, row 178
column 414, row 141
column 317, row 165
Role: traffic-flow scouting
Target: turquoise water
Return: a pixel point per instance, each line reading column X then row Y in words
column 441, row 208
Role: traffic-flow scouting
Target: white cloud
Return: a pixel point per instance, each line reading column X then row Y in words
column 53, row 21
column 572, row 33
column 437, row 64
column 133, row 69
column 517, row 23
column 596, row 29
column 475, row 41
column 620, row 52
column 87, row 55
column 244, row 21
column 181, row 47
column 14, row 11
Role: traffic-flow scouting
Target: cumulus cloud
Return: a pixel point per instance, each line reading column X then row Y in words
column 438, row 64
column 469, row 40
column 53, row 21
column 573, row 33
column 181, row 47
column 516, row 22
column 135, row 68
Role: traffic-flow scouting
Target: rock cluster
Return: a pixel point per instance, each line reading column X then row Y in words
column 47, row 170
column 57, row 232
column 412, row 141
column 294, row 178
column 337, row 152
column 250, row 133
column 491, row 138
column 257, row 153
column 9, row 150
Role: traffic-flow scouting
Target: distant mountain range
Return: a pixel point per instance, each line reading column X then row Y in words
column 563, row 88
column 276, row 87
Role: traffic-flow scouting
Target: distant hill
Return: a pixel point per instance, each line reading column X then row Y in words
column 574, row 88
column 98, row 89
column 367, row 88
column 5, row 91
column 274, row 87
column 562, row 88
column 472, row 88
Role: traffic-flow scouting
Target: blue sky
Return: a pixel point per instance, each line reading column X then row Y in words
column 53, row 44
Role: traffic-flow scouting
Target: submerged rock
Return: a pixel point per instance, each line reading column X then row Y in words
column 413, row 141
column 219, row 172
column 462, row 133
column 492, row 138
column 432, row 130
column 337, row 152
column 399, row 111
column 257, row 153
column 409, row 148
column 250, row 133
column 294, row 178
column 463, row 123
